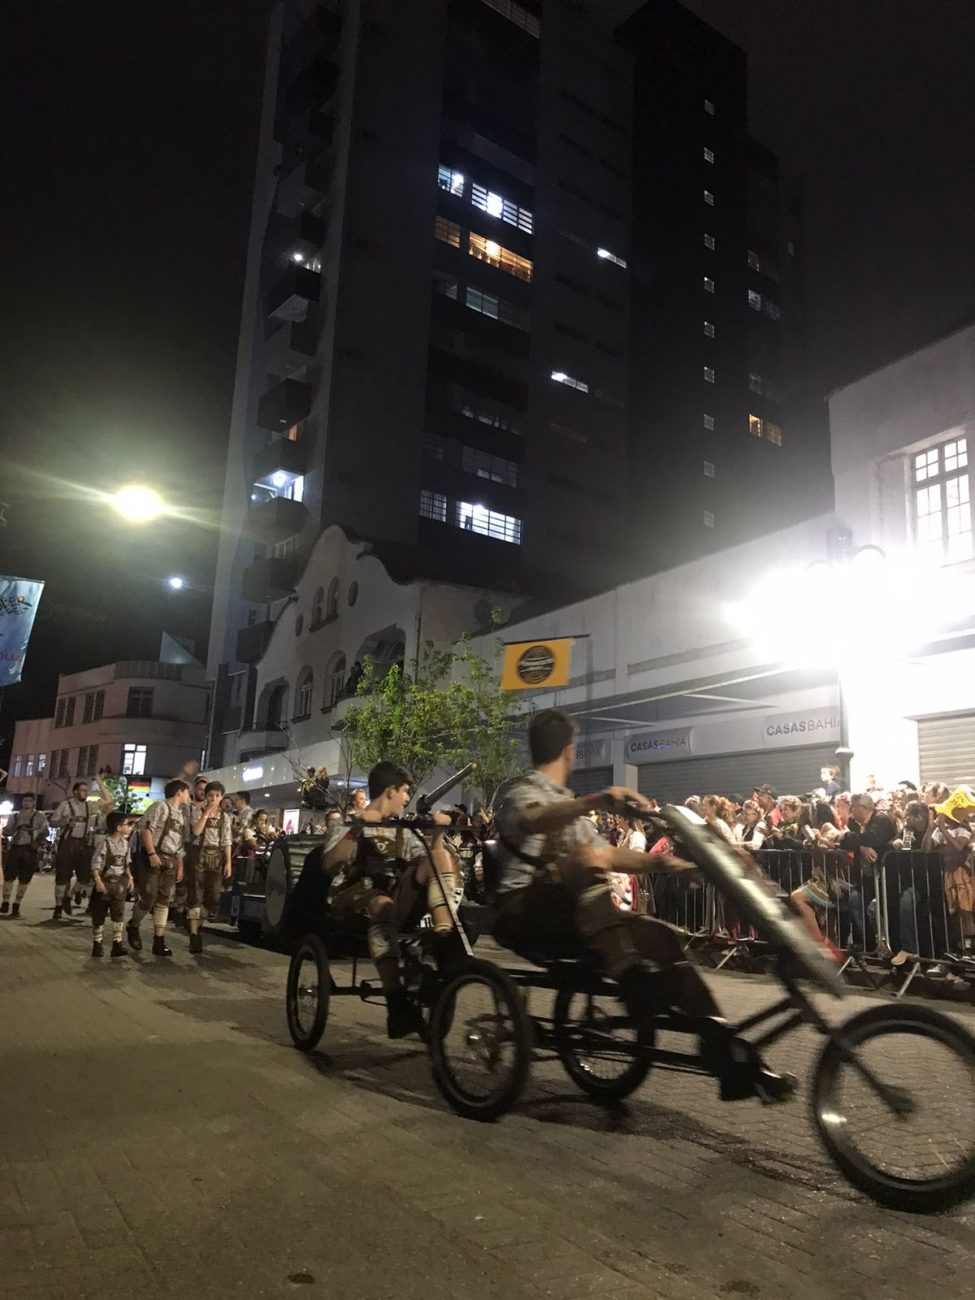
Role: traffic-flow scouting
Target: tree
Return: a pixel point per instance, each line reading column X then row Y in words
column 452, row 712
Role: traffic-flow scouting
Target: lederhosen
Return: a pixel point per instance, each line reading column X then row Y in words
column 377, row 868
column 204, row 880
column 20, row 862
column 191, row 855
column 158, row 884
column 113, row 899
column 74, row 851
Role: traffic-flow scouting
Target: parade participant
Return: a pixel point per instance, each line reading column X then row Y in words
column 163, row 836
column 193, row 810
column 243, row 815
column 26, row 835
column 207, row 862
column 76, row 820
column 385, row 873
column 556, row 892
column 111, row 875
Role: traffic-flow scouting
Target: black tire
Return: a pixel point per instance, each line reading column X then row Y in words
column 592, row 1063
column 952, row 1073
column 307, row 1003
column 501, row 1026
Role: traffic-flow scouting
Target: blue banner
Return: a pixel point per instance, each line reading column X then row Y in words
column 19, row 598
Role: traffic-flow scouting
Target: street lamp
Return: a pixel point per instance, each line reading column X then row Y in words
column 137, row 504
column 175, row 583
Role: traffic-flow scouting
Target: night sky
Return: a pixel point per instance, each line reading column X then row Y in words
column 126, row 203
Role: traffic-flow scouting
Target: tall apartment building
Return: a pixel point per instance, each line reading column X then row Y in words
column 477, row 313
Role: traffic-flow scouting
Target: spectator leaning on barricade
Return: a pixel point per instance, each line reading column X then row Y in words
column 953, row 834
column 768, row 800
column 750, row 828
column 868, row 836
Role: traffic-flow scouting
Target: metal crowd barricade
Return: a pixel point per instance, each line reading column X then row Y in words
column 926, row 908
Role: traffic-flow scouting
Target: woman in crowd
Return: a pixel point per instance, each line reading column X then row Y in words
column 750, row 829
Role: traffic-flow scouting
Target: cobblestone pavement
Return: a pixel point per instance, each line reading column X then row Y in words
column 159, row 1137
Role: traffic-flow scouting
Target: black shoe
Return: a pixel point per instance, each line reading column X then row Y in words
column 159, row 948
column 4, row 908
column 15, row 910
column 134, row 937
column 57, row 911
column 640, row 991
column 449, row 952
column 118, row 949
column 196, row 943
column 402, row 1017
column 66, row 905
column 79, row 897
column 740, row 1070
column 97, row 948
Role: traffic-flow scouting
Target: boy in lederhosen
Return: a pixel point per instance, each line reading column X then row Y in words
column 76, row 819
column 160, row 866
column 209, row 861
column 27, row 833
column 111, row 876
column 192, row 810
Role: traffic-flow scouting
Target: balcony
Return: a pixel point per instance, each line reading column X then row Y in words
column 254, row 741
column 311, row 87
column 282, row 457
column 270, row 578
column 252, row 642
column 274, row 519
column 284, row 405
column 304, row 237
column 288, row 299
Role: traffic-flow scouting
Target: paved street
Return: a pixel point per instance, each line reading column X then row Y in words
column 161, row 1138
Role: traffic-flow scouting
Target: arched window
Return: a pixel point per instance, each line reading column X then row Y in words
column 318, row 607
column 303, row 694
column 276, row 703
column 332, row 604
column 335, row 680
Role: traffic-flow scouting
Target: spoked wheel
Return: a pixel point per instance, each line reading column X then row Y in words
column 602, row 1052
column 309, row 988
column 910, row 1145
column 480, row 1042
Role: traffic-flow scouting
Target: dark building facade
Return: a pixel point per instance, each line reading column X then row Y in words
column 477, row 326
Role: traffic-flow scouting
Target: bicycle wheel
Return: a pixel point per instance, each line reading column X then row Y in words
column 913, row 1149
column 603, row 1054
column 480, row 1042
column 308, row 991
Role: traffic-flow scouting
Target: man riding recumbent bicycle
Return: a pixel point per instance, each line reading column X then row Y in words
column 893, row 1090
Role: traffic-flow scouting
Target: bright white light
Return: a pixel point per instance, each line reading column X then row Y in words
column 559, row 376
column 176, row 583
column 494, row 205
column 6, row 808
column 252, row 773
column 602, row 252
column 279, row 479
column 492, row 249
column 297, row 257
column 138, row 505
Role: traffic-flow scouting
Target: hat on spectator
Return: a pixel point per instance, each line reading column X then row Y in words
column 961, row 800
column 766, row 789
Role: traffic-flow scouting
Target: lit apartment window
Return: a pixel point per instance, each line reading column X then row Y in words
column 755, row 383
column 754, row 300
column 489, row 304
column 708, row 284
column 709, row 519
column 484, row 411
column 484, row 465
column 709, row 242
column 754, row 261
column 133, row 760
column 29, row 770
column 447, row 231
column 18, row 764
column 709, row 469
column 433, row 505
column 41, row 764
column 709, row 107
column 756, row 426
column 607, row 256
column 709, row 374
column 489, row 523
column 451, row 181
column 942, row 502
column 139, row 703
column 561, row 377
column 496, row 205
column 516, row 14
column 709, row 198
column 708, row 155
column 486, row 250
column 709, row 421
column 444, row 284
column 709, row 329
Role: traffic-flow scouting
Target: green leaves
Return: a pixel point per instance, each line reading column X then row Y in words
column 453, row 711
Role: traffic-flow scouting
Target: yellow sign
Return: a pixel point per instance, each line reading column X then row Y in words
column 536, row 665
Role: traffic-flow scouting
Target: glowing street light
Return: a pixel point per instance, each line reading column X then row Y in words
column 137, row 504
column 175, row 583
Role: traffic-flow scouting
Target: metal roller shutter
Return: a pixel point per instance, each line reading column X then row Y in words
column 790, row 771
column 589, row 780
column 946, row 749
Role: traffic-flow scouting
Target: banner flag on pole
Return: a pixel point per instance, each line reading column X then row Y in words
column 19, row 598
column 536, row 665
